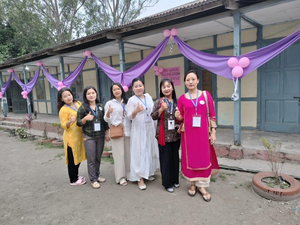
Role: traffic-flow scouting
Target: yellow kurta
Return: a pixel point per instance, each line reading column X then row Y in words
column 73, row 135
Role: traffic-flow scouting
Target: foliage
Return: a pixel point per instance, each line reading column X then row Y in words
column 21, row 131
column 45, row 132
column 59, row 130
column 35, row 114
column 273, row 153
column 104, row 14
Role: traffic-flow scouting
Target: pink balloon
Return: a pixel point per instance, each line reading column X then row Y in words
column 232, row 62
column 24, row 96
column 10, row 70
column 59, row 88
column 125, row 88
column 167, row 33
column 60, row 84
column 22, row 93
column 237, row 71
column 244, row 62
column 25, row 93
column 172, row 38
column 40, row 64
column 161, row 69
column 87, row 53
column 157, row 73
column 155, row 68
column 63, row 86
column 1, row 95
column 174, row 32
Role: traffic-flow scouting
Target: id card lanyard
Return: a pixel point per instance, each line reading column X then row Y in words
column 196, row 118
column 97, row 126
column 147, row 115
column 76, row 109
column 171, row 122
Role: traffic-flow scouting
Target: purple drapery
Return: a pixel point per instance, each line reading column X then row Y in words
column 30, row 85
column 138, row 70
column 70, row 79
column 218, row 63
column 6, row 85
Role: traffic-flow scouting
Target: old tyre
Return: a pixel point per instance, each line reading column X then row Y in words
column 275, row 194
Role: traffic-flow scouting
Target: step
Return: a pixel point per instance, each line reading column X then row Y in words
column 12, row 124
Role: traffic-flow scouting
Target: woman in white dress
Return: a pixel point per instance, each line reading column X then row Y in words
column 115, row 113
column 143, row 144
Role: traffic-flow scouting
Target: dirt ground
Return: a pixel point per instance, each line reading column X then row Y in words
column 35, row 190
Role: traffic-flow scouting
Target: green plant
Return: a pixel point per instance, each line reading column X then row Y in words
column 273, row 154
column 22, row 132
column 35, row 114
column 59, row 130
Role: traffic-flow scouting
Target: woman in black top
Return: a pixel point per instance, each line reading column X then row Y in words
column 90, row 117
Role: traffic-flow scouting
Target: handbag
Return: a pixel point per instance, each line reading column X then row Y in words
column 116, row 131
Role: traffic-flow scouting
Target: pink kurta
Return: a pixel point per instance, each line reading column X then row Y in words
column 196, row 156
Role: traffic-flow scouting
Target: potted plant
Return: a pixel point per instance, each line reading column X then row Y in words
column 59, row 131
column 46, row 139
column 275, row 185
column 21, row 131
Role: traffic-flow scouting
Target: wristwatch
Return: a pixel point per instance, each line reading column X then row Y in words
column 214, row 127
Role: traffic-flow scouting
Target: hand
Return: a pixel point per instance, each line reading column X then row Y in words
column 110, row 110
column 177, row 114
column 139, row 108
column 164, row 105
column 89, row 117
column 72, row 119
column 213, row 138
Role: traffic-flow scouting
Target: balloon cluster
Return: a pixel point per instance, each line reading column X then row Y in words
column 170, row 33
column 10, row 70
column 87, row 53
column 60, row 85
column 40, row 64
column 238, row 65
column 24, row 93
column 1, row 95
column 125, row 88
column 158, row 70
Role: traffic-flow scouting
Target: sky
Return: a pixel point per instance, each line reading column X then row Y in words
column 163, row 5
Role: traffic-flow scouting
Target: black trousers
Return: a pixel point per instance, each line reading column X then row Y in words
column 169, row 163
column 72, row 168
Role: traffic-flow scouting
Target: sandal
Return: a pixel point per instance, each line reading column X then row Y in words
column 123, row 182
column 192, row 191
column 206, row 196
column 78, row 182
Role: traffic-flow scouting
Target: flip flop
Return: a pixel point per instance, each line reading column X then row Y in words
column 123, row 182
column 78, row 182
column 204, row 196
column 190, row 192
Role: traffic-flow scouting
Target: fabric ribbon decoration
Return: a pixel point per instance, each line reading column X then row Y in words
column 6, row 85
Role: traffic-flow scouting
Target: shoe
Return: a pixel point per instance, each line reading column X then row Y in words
column 151, row 178
column 81, row 178
column 142, row 187
column 177, row 185
column 95, row 185
column 204, row 196
column 192, row 192
column 78, row 182
column 101, row 179
column 123, row 182
column 170, row 189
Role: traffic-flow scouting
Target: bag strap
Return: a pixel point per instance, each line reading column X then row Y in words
column 207, row 108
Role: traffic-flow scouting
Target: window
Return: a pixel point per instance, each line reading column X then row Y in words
column 76, row 88
column 205, row 76
column 40, row 89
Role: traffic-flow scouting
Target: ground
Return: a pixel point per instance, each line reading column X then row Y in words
column 35, row 191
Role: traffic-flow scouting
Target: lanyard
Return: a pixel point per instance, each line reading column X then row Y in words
column 143, row 102
column 171, row 107
column 76, row 109
column 95, row 113
column 195, row 104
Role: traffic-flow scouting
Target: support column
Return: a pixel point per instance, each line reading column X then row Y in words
column 4, row 98
column 62, row 67
column 28, row 98
column 122, row 55
column 237, row 104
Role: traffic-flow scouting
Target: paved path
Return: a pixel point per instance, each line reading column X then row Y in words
column 34, row 190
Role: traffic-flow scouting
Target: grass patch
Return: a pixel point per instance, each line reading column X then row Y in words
column 222, row 176
column 213, row 180
column 107, row 159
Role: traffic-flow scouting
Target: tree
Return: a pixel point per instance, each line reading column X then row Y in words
column 103, row 14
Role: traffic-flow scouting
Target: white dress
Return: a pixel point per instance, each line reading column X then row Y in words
column 143, row 144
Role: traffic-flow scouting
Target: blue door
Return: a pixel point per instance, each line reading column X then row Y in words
column 280, row 88
column 104, row 87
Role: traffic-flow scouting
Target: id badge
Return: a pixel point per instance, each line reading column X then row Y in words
column 147, row 118
column 97, row 126
column 171, row 124
column 196, row 121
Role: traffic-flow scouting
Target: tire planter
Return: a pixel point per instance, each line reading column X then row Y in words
column 275, row 194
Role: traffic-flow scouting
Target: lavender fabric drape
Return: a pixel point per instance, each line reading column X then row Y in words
column 70, row 79
column 6, row 85
column 218, row 63
column 30, row 85
column 138, row 70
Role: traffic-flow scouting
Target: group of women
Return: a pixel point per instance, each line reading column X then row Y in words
column 153, row 132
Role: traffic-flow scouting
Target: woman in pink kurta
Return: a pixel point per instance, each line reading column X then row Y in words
column 196, row 150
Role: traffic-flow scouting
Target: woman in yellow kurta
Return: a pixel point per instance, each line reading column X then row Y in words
column 73, row 140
